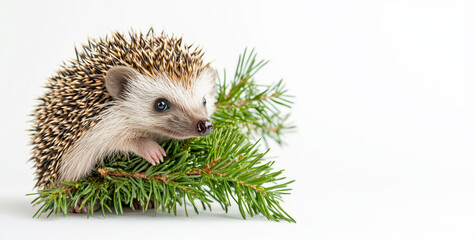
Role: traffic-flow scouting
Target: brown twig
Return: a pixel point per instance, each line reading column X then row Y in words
column 219, row 105
column 207, row 169
column 187, row 144
column 247, row 101
column 258, row 188
column 272, row 129
column 67, row 189
column 104, row 172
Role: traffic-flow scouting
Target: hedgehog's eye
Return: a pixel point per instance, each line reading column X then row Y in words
column 161, row 105
column 204, row 101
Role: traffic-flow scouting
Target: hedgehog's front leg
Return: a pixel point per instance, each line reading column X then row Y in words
column 148, row 149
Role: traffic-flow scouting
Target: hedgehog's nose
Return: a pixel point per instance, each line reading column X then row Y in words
column 205, row 127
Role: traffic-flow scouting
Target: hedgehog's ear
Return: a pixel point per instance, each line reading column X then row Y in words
column 116, row 79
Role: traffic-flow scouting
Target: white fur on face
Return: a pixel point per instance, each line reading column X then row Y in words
column 186, row 106
column 205, row 86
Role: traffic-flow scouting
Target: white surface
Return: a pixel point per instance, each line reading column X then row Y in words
column 385, row 112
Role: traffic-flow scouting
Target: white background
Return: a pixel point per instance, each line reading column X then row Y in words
column 385, row 109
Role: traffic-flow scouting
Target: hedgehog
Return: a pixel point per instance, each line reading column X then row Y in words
column 122, row 94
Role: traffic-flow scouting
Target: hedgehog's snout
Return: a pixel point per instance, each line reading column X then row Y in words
column 204, row 127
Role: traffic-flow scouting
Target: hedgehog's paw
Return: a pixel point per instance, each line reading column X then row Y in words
column 79, row 209
column 151, row 151
column 138, row 206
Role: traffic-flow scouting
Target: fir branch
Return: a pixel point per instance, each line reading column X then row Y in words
column 224, row 167
column 257, row 108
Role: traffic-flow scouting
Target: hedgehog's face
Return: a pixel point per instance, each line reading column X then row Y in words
column 161, row 106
